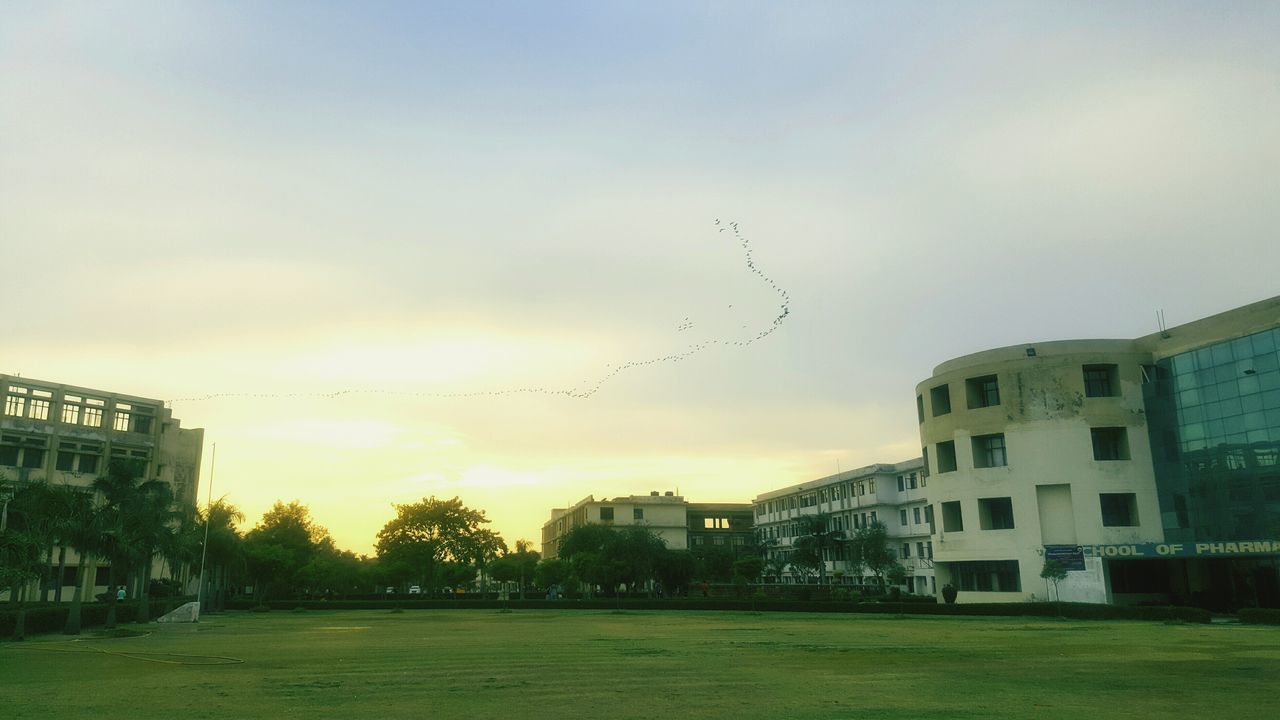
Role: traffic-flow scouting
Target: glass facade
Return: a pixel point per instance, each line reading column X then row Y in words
column 1214, row 423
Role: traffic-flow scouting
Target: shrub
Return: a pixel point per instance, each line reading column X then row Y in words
column 1260, row 616
column 949, row 593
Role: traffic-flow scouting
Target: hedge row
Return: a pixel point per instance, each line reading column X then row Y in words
column 53, row 618
column 1076, row 611
column 1260, row 616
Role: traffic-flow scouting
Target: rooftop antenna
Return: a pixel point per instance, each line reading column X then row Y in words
column 1164, row 329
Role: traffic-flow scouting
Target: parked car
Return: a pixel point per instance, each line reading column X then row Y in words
column 415, row 590
column 391, row 590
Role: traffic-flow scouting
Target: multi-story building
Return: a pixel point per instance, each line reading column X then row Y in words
column 67, row 435
column 681, row 525
column 714, row 525
column 1147, row 466
column 665, row 515
column 891, row 494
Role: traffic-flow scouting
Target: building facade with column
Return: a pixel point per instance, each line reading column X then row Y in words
column 1147, row 466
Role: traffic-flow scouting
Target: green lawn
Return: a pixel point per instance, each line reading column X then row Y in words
column 556, row 664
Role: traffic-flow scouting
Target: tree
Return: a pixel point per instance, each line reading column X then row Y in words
column 675, row 570
column 1056, row 572
column 869, row 548
column 748, row 567
column 22, row 542
column 424, row 535
column 819, row 540
column 120, row 495
column 516, row 566
column 222, row 553
column 552, row 572
column 85, row 526
column 610, row 558
column 284, row 542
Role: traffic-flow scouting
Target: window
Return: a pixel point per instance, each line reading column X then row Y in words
column 928, row 517
column 1101, row 381
column 986, row 576
column 920, row 407
column 637, row 513
column 120, row 422
column 71, row 409
column 873, row 517
column 606, row 513
column 940, row 400
column 902, row 484
column 717, row 540
column 982, row 391
column 924, row 470
column 920, row 550
column 911, row 481
column 22, row 451
column 39, row 408
column 916, row 513
column 15, row 403
column 1110, row 443
column 902, row 517
column 906, row 550
column 78, row 457
column 946, row 456
column 715, row 523
column 1119, row 509
column 995, row 513
column 871, row 486
column 93, row 412
column 989, row 451
column 928, row 546
column 952, row 519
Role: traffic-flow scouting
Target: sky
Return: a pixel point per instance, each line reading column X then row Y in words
column 362, row 225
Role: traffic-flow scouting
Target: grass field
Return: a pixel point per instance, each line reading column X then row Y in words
column 556, row 664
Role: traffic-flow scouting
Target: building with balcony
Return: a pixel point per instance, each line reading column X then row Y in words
column 1149, row 466
column 67, row 435
column 891, row 494
column 682, row 525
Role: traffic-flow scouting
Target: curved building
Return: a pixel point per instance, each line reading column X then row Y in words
column 1119, row 458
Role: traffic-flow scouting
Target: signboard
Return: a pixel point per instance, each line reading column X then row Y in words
column 1255, row 548
column 1070, row 557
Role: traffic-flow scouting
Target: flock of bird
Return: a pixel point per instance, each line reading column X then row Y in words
column 588, row 389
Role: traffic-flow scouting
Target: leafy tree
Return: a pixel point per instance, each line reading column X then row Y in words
column 1055, row 572
column 552, row 572
column 284, row 542
column 816, row 540
column 609, row 558
column 222, row 554
column 517, row 566
column 675, row 570
column 749, row 567
column 426, row 534
column 870, row 548
column 714, row 563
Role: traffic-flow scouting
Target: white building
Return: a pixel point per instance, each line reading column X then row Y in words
column 1153, row 462
column 892, row 494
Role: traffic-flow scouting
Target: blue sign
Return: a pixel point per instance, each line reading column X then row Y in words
column 1070, row 557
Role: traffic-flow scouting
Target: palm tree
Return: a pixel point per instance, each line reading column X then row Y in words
column 62, row 505
column 816, row 532
column 120, row 494
column 84, row 534
column 223, row 552
column 151, row 526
